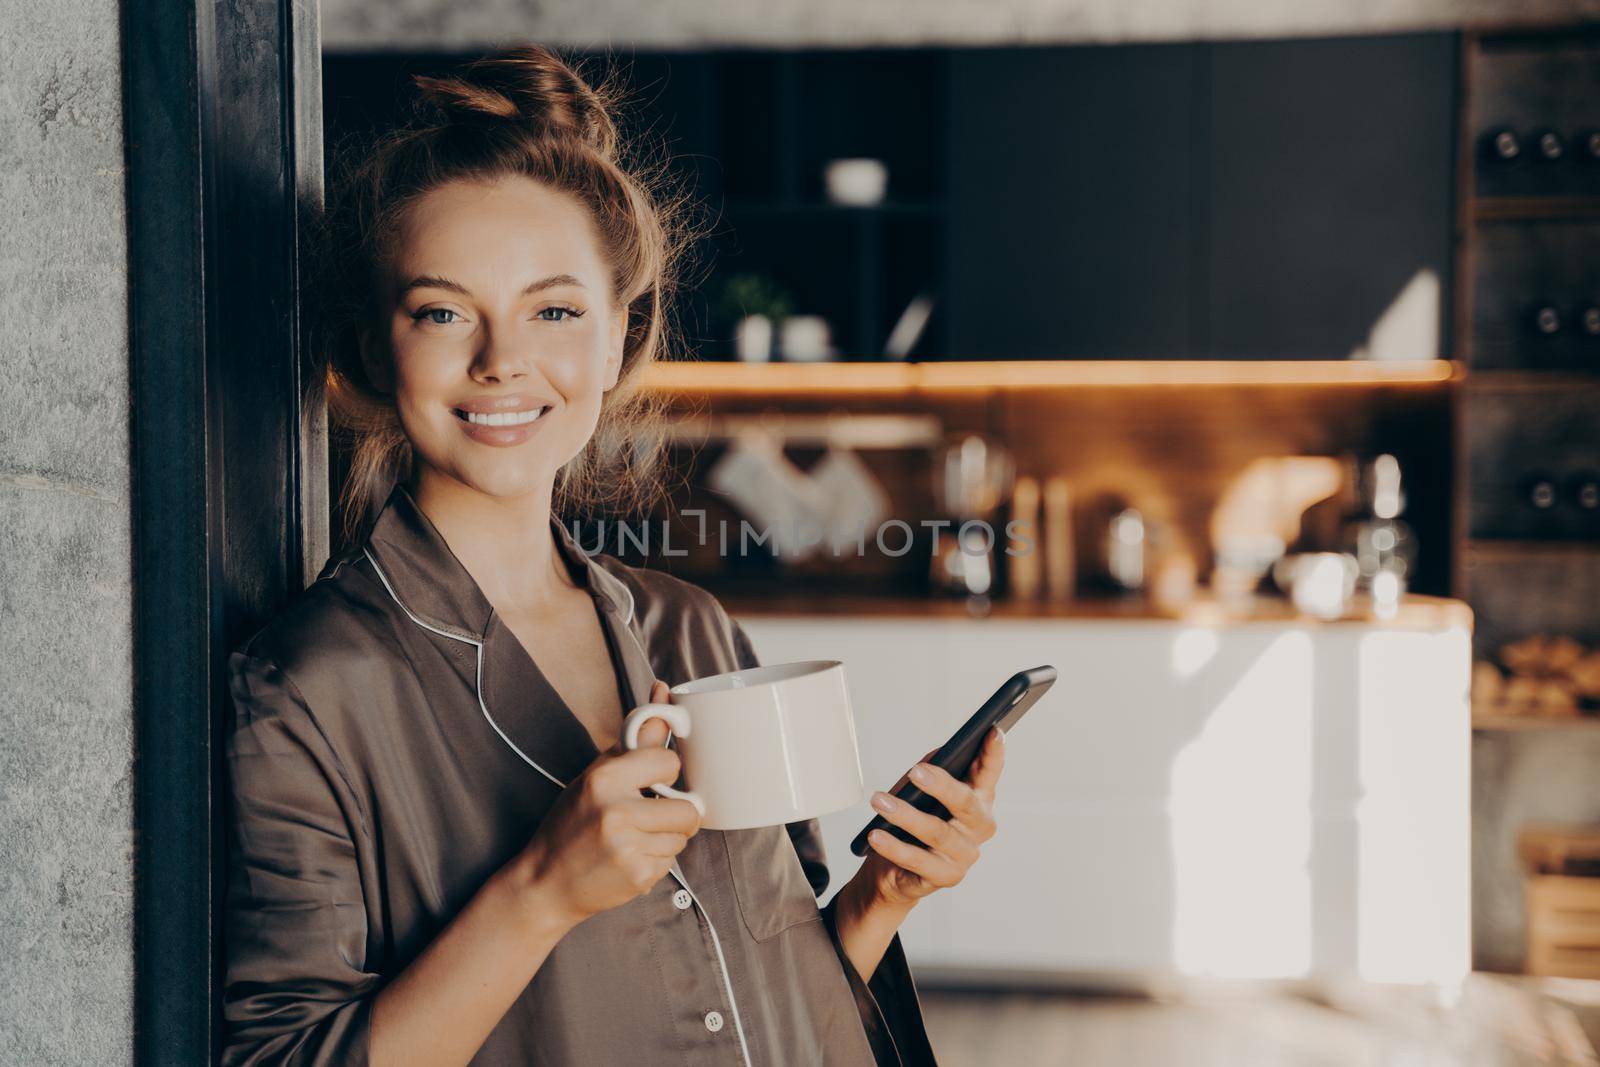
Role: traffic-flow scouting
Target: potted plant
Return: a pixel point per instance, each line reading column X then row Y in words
column 756, row 305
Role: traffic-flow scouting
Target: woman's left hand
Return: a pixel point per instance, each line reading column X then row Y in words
column 899, row 873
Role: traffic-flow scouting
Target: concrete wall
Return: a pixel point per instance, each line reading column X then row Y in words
column 66, row 722
column 438, row 25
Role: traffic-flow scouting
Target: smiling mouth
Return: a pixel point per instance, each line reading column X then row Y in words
column 500, row 418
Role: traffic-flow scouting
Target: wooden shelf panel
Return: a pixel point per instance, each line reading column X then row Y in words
column 1491, row 551
column 1508, row 381
column 1534, row 208
column 985, row 376
column 803, row 209
column 1524, row 723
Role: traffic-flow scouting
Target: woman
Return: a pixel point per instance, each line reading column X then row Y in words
column 438, row 852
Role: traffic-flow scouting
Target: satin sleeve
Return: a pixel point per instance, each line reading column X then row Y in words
column 888, row 1005
column 297, row 987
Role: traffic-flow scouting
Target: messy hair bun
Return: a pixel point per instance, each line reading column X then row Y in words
column 531, row 86
column 524, row 112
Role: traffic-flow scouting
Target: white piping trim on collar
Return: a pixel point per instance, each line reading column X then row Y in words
column 596, row 569
column 716, row 942
column 477, row 683
column 627, row 615
column 629, row 593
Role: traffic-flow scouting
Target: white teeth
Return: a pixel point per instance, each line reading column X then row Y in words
column 502, row 418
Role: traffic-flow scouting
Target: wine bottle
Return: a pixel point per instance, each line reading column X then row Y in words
column 1502, row 144
column 1588, row 146
column 1539, row 491
column 1548, row 146
column 1583, row 489
column 1546, row 319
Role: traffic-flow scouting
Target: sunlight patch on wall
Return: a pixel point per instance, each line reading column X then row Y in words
column 1409, row 326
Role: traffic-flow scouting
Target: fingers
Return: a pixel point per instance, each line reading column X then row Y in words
column 643, row 869
column 939, row 835
column 654, row 734
column 959, row 798
column 664, row 814
column 662, row 845
column 906, row 777
column 936, row 870
column 620, row 831
column 985, row 773
column 629, row 772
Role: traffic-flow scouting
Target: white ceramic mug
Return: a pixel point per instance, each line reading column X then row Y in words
column 804, row 339
column 856, row 182
column 761, row 746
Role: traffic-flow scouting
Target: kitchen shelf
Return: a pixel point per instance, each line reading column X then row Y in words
column 805, row 209
column 1490, row 380
column 1490, row 550
column 686, row 378
column 1532, row 723
column 1534, row 208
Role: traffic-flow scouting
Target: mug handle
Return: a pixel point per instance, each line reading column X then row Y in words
column 677, row 720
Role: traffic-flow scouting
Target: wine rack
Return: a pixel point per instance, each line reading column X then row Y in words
column 1528, row 329
column 1526, row 528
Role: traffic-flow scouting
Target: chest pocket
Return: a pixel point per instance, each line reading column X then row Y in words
column 769, row 881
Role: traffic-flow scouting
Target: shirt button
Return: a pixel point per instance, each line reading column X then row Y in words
column 713, row 1021
column 681, row 900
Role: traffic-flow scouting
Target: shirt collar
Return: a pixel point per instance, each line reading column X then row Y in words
column 431, row 583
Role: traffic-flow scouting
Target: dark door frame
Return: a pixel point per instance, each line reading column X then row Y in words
column 230, row 518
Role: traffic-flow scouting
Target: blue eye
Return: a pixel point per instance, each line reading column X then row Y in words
column 559, row 314
column 428, row 313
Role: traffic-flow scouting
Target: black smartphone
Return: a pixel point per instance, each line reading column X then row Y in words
column 1009, row 704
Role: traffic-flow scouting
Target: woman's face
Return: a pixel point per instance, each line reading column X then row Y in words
column 502, row 333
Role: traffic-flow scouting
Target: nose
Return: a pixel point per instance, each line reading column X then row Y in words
column 499, row 360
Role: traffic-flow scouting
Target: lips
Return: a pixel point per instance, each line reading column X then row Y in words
column 501, row 418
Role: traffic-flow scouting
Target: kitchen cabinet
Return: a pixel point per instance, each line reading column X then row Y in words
column 1269, row 799
column 1328, row 208
column 1532, row 454
column 1236, row 200
column 1535, row 105
column 1536, row 296
column 1073, row 184
column 1263, row 199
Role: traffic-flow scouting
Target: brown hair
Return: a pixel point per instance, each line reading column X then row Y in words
column 524, row 112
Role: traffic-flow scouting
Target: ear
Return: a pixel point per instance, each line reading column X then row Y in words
column 616, row 339
column 375, row 361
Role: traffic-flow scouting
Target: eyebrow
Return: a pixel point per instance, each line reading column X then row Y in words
column 433, row 281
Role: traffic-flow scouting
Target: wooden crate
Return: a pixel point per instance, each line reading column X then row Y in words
column 1563, row 926
column 1550, row 848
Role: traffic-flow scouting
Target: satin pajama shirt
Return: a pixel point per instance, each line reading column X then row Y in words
column 392, row 745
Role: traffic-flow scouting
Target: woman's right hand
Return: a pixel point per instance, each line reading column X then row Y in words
column 604, row 843
column 600, row 845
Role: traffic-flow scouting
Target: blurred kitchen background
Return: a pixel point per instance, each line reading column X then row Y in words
column 1276, row 333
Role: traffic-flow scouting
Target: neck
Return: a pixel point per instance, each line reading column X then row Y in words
column 505, row 543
